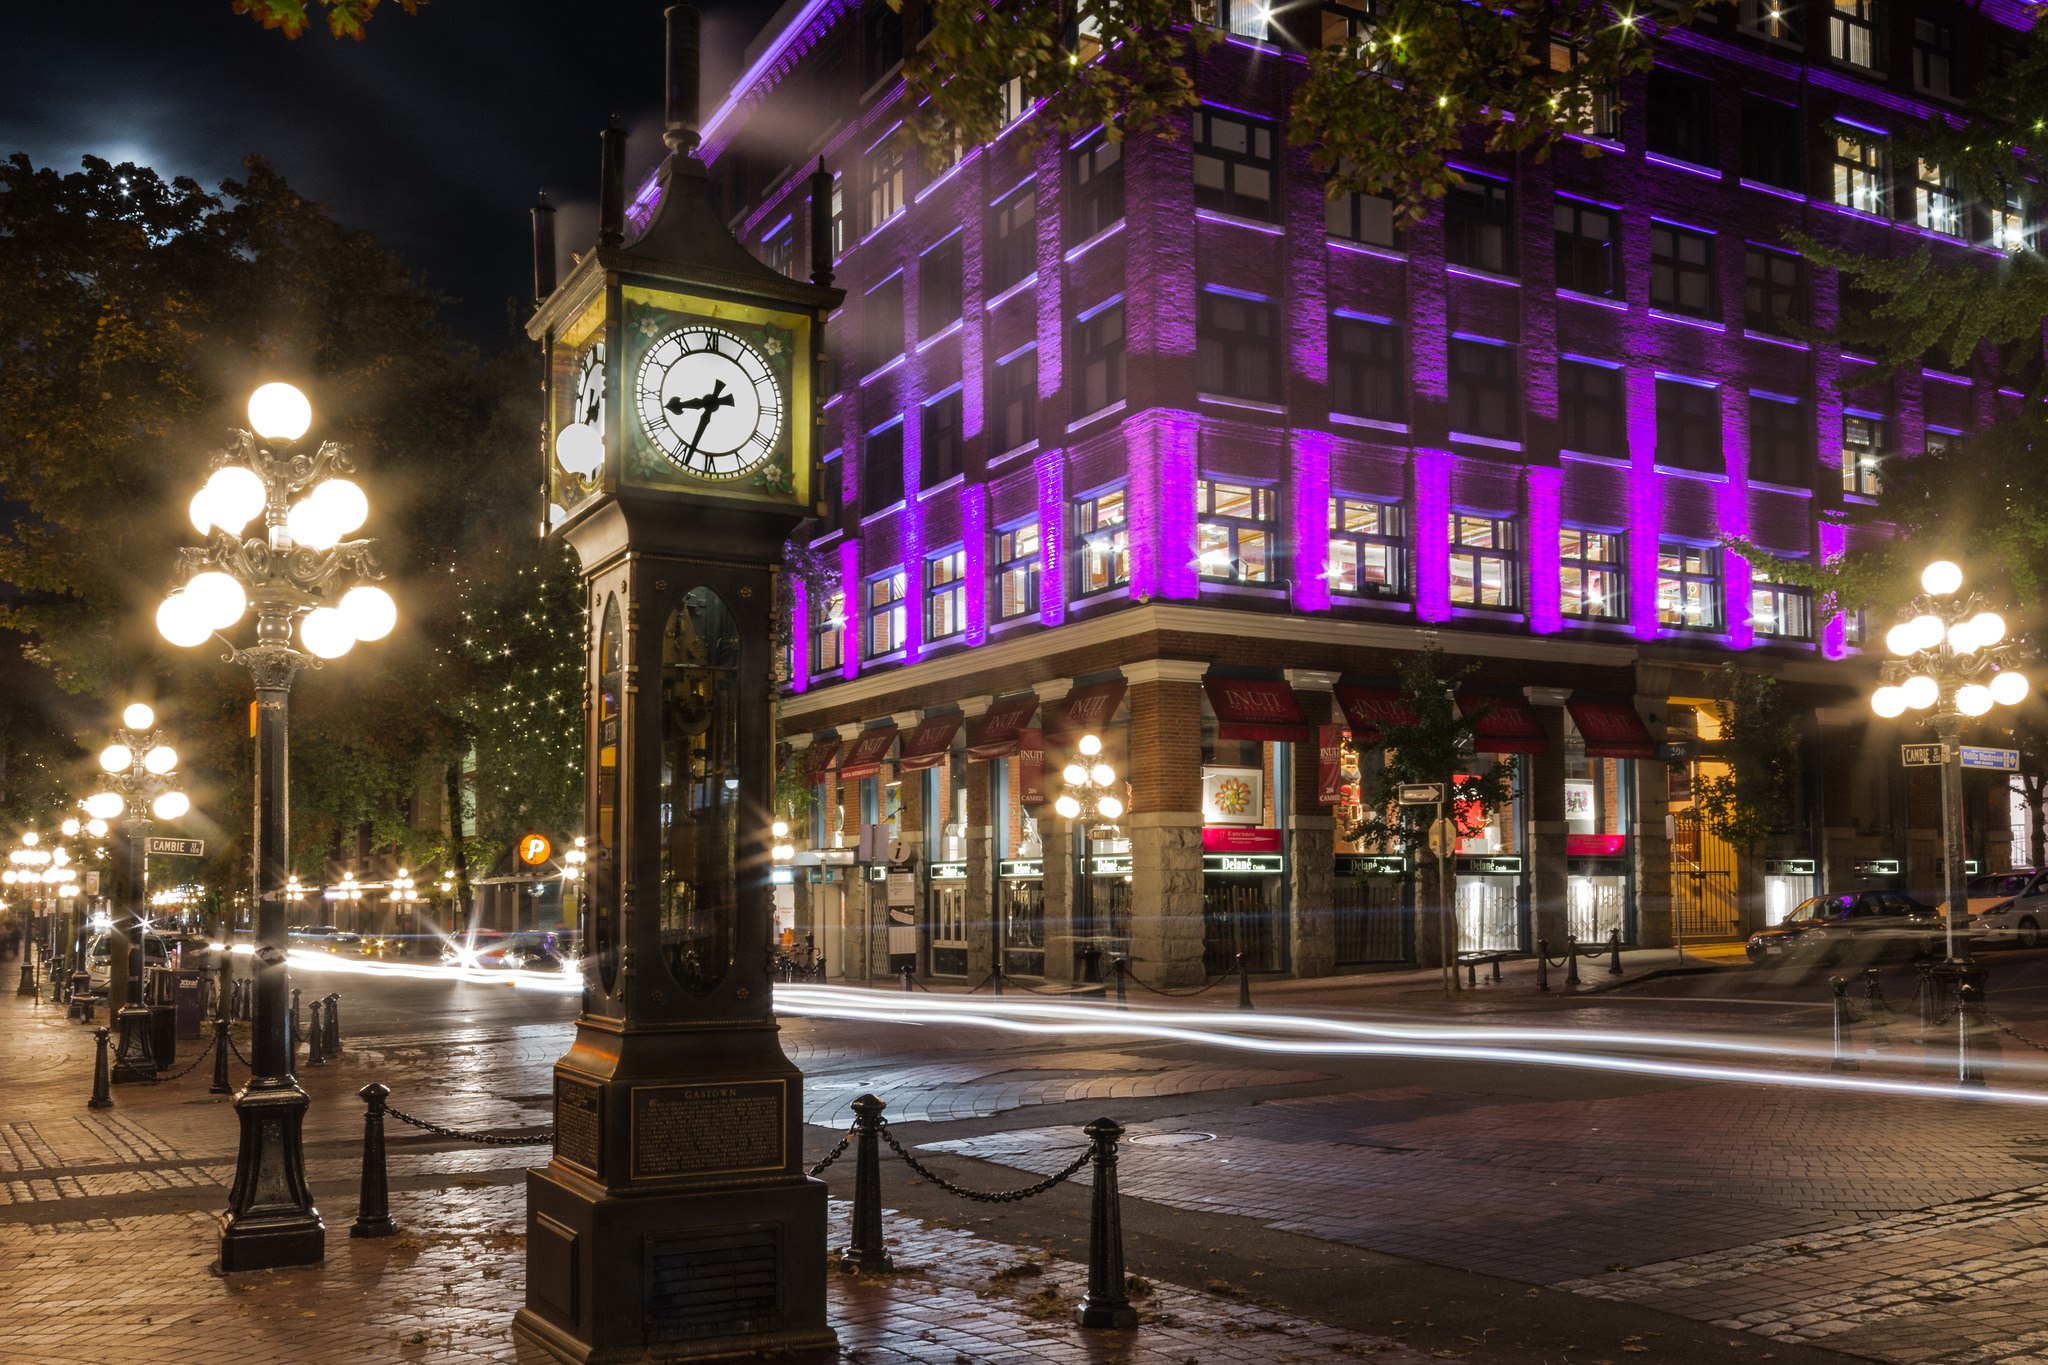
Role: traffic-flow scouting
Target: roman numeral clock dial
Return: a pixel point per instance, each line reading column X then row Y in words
column 709, row 402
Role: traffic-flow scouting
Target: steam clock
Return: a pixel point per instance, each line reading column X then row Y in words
column 675, row 1219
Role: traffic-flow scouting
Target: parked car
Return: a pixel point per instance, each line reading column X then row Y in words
column 1863, row 925
column 1988, row 889
column 2016, row 915
column 99, row 957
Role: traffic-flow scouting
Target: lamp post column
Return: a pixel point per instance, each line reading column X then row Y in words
column 134, row 1061
column 1948, row 726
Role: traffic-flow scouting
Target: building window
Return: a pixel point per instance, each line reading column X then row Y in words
column 1590, row 567
column 1852, row 32
column 1600, row 114
column 1936, row 206
column 1588, row 248
column 1681, row 117
column 1479, row 226
column 1485, row 562
column 1368, row 549
column 881, row 324
column 1689, row 426
column 1095, row 186
column 1364, row 218
column 1772, row 135
column 778, row 248
column 1866, row 441
column 1934, row 54
column 1236, row 168
column 1689, row 587
column 2009, row 224
column 1775, row 19
column 885, row 181
column 1237, row 353
column 885, row 614
column 1780, row 441
column 828, row 633
column 881, row 43
column 1591, row 408
column 939, row 286
column 838, row 215
column 1859, row 172
column 1484, row 401
column 1367, row 378
column 1102, row 535
column 1099, row 359
column 1682, row 271
column 1245, row 18
column 1773, row 291
column 942, row 441
column 945, row 595
column 1012, row 246
column 1012, row 102
column 1013, row 401
column 1781, row 611
column 1017, row 571
column 833, row 492
column 1941, row 440
column 1346, row 26
column 1236, row 528
column 881, row 469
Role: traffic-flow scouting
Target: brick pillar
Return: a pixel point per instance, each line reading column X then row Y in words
column 1548, row 888
column 1056, row 855
column 981, row 870
column 1311, row 836
column 1650, row 840
column 1166, row 821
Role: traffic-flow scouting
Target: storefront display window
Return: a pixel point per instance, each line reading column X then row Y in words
column 1598, row 888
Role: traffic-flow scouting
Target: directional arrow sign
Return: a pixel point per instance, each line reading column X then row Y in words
column 1421, row 793
column 177, row 848
column 1920, row 755
column 1998, row 760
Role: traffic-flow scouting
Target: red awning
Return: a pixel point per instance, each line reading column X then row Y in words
column 925, row 746
column 1612, row 729
column 1367, row 709
column 1507, row 725
column 995, row 734
column 818, row 758
column 1256, row 708
column 865, row 757
column 1084, row 709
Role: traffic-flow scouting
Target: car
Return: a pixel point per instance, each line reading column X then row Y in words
column 531, row 950
column 2014, row 917
column 321, row 937
column 1988, row 889
column 99, row 957
column 1853, row 924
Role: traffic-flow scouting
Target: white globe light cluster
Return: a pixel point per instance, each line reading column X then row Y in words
column 1927, row 632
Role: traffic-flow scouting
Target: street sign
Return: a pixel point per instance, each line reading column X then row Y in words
column 1421, row 793
column 1443, row 838
column 1920, row 755
column 534, row 849
column 175, row 848
column 1998, row 760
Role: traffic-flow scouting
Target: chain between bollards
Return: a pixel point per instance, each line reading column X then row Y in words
column 101, row 1096
column 1244, row 982
column 1842, row 1061
column 867, row 1252
column 373, row 1204
column 1107, row 1303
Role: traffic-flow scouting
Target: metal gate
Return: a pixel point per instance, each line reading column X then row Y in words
column 1021, row 904
column 1235, row 918
column 1703, row 881
column 946, row 926
column 1374, row 920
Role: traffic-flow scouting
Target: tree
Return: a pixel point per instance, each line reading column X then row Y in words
column 1430, row 741
column 1384, row 105
column 1759, row 742
column 345, row 18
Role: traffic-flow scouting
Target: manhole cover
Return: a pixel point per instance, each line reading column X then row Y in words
column 1170, row 1139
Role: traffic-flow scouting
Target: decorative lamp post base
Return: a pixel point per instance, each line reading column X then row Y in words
column 28, row 975
column 133, row 1062
column 271, row 1222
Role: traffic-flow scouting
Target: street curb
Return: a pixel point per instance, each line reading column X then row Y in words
column 1655, row 973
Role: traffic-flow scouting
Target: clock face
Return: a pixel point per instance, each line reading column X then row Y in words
column 590, row 388
column 709, row 402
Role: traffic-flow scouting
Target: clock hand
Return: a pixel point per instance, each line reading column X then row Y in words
column 717, row 398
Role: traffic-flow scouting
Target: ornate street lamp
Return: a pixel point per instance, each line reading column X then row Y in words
column 1090, row 798
column 141, row 787
column 1949, row 663
column 298, row 569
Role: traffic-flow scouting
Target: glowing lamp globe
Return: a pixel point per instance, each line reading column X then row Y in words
column 780, row 829
column 312, row 522
column 181, row 622
column 234, row 496
column 104, row 805
column 1988, row 627
column 1102, row 774
column 1074, row 774
column 1973, row 699
column 170, row 805
column 1068, row 807
column 2009, row 688
column 325, row 633
column 580, row 450
column 1962, row 637
column 1888, row 702
column 1110, row 807
column 70, row 828
column 1902, row 639
column 116, row 758
column 1928, row 630
column 217, row 597
column 1089, row 746
column 198, row 509
column 369, row 612
column 161, row 759
column 138, row 716
column 96, row 827
column 1941, row 578
column 1920, row 691
column 346, row 503
column 31, row 839
column 279, row 412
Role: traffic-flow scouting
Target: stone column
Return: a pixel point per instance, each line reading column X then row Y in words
column 1549, row 892
column 1650, row 841
column 1311, row 836
column 1166, row 821
column 1057, row 858
column 981, row 868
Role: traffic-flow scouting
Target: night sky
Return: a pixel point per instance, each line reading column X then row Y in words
column 433, row 133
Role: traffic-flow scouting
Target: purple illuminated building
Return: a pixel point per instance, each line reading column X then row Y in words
column 1155, row 441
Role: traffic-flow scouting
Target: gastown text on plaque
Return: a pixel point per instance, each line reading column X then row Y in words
column 578, row 1131
column 712, row 1129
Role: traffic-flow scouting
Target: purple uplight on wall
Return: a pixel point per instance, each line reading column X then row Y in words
column 1645, row 502
column 1543, row 491
column 1433, row 535
column 1309, row 519
column 799, row 633
column 913, row 541
column 1179, row 467
column 1731, row 511
column 851, row 641
column 974, row 540
column 1051, row 467
column 1834, row 636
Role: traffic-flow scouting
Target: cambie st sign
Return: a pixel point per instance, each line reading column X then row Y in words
column 176, row 848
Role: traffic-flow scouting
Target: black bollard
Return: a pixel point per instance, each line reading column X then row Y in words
column 1842, row 1060
column 1873, row 1000
column 333, row 1026
column 1117, row 969
column 28, row 973
column 997, row 976
column 316, row 1041
column 1571, row 961
column 1969, row 1019
column 1614, row 949
column 220, row 1084
column 294, row 1029
column 373, row 1205
column 1542, row 964
column 1106, row 1303
column 906, row 979
column 1930, row 1004
column 867, row 1251
column 101, row 1098
column 1244, row 982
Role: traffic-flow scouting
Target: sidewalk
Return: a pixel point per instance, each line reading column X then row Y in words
column 107, row 1234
